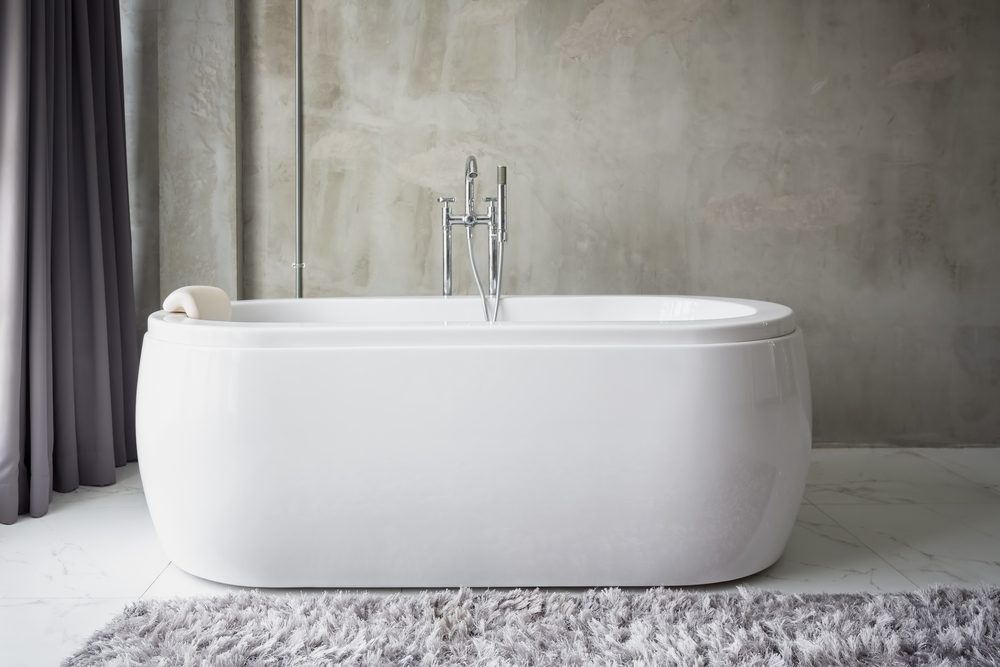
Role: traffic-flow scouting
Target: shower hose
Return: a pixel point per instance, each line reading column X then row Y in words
column 490, row 317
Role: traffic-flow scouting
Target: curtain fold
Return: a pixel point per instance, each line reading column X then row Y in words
column 68, row 353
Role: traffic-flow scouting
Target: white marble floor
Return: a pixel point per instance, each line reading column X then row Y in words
column 872, row 520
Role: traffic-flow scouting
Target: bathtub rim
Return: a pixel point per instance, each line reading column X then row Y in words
column 768, row 321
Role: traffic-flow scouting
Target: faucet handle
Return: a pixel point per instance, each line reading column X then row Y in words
column 489, row 199
column 446, row 200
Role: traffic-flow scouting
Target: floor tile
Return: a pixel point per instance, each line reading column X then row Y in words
column 978, row 519
column 128, row 483
column 899, row 492
column 96, row 545
column 887, row 476
column 865, row 464
column 128, row 476
column 45, row 631
column 823, row 557
column 930, row 544
column 979, row 464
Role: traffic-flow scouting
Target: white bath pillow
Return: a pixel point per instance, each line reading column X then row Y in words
column 200, row 302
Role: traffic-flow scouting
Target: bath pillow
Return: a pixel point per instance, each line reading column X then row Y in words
column 200, row 302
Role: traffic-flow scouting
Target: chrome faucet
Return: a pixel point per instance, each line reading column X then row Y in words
column 496, row 220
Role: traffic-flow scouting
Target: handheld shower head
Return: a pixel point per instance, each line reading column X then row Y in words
column 471, row 172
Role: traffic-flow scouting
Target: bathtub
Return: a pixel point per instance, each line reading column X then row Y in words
column 403, row 442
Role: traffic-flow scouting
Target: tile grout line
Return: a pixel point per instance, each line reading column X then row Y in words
column 155, row 579
column 866, row 546
column 989, row 487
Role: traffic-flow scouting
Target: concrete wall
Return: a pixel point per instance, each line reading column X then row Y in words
column 182, row 58
column 842, row 158
column 139, row 60
column 198, row 74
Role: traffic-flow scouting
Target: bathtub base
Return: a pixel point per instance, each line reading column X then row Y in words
column 395, row 467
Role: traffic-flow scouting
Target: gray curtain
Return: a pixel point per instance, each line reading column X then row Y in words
column 67, row 337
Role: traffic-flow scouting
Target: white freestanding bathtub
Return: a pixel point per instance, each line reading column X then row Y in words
column 402, row 442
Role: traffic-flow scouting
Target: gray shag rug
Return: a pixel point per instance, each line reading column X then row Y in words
column 934, row 626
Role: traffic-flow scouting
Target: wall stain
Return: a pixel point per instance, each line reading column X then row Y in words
column 923, row 67
column 361, row 272
column 490, row 12
column 628, row 22
column 816, row 210
column 977, row 348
